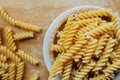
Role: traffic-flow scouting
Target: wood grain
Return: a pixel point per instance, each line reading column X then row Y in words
column 42, row 13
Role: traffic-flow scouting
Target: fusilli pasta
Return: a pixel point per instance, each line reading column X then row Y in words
column 9, row 54
column 20, row 71
column 34, row 77
column 11, row 72
column 27, row 57
column 23, row 35
column 9, row 39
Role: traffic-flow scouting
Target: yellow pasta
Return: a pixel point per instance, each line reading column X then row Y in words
column 87, row 47
column 84, row 71
column 4, row 50
column 6, row 16
column 113, row 67
column 20, row 71
column 11, row 72
column 18, row 23
column 105, row 55
column 93, row 14
column 67, row 70
column 101, row 43
column 27, row 26
column 4, row 76
column 23, row 35
column 90, row 51
column 2, row 71
column 116, row 26
column 3, row 58
column 4, row 65
column 57, row 48
column 88, row 27
column 69, row 38
column 78, row 56
column 100, row 30
column 34, row 77
column 103, row 77
column 27, row 57
column 73, row 50
column 9, row 39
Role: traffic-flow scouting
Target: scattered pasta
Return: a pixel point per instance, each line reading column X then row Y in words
column 27, row 57
column 11, row 58
column 24, row 35
column 18, row 23
column 88, row 47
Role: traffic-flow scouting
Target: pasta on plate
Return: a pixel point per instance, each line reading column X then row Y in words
column 87, row 47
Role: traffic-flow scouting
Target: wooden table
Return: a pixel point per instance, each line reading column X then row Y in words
column 42, row 13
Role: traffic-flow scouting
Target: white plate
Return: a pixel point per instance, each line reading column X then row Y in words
column 53, row 28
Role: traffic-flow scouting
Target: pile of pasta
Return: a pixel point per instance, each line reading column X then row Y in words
column 11, row 58
column 88, row 47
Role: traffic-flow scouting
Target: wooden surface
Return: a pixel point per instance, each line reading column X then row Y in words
column 42, row 13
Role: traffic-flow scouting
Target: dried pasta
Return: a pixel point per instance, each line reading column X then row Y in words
column 18, row 23
column 6, row 16
column 3, row 65
column 67, row 70
column 3, row 58
column 4, row 50
column 101, row 43
column 90, row 51
column 92, row 14
column 20, row 71
column 87, row 47
column 57, row 48
column 100, row 30
column 23, row 35
column 10, row 43
column 27, row 57
column 84, row 71
column 27, row 26
column 11, row 72
column 105, row 55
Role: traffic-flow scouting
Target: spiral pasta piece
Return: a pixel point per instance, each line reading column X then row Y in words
column 34, row 77
column 113, row 67
column 4, row 65
column 27, row 26
column 88, row 27
column 84, row 71
column 23, row 35
column 27, row 57
column 101, row 43
column 116, row 26
column 85, row 22
column 116, row 51
column 59, row 63
column 3, row 58
column 78, row 56
column 6, row 16
column 90, row 50
column 105, row 55
column 2, row 71
column 57, row 48
column 9, row 39
column 103, row 77
column 100, row 30
column 93, row 14
column 20, row 71
column 67, row 70
column 58, row 69
column 73, row 50
column 4, row 76
column 69, row 38
column 11, row 72
column 4, row 50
